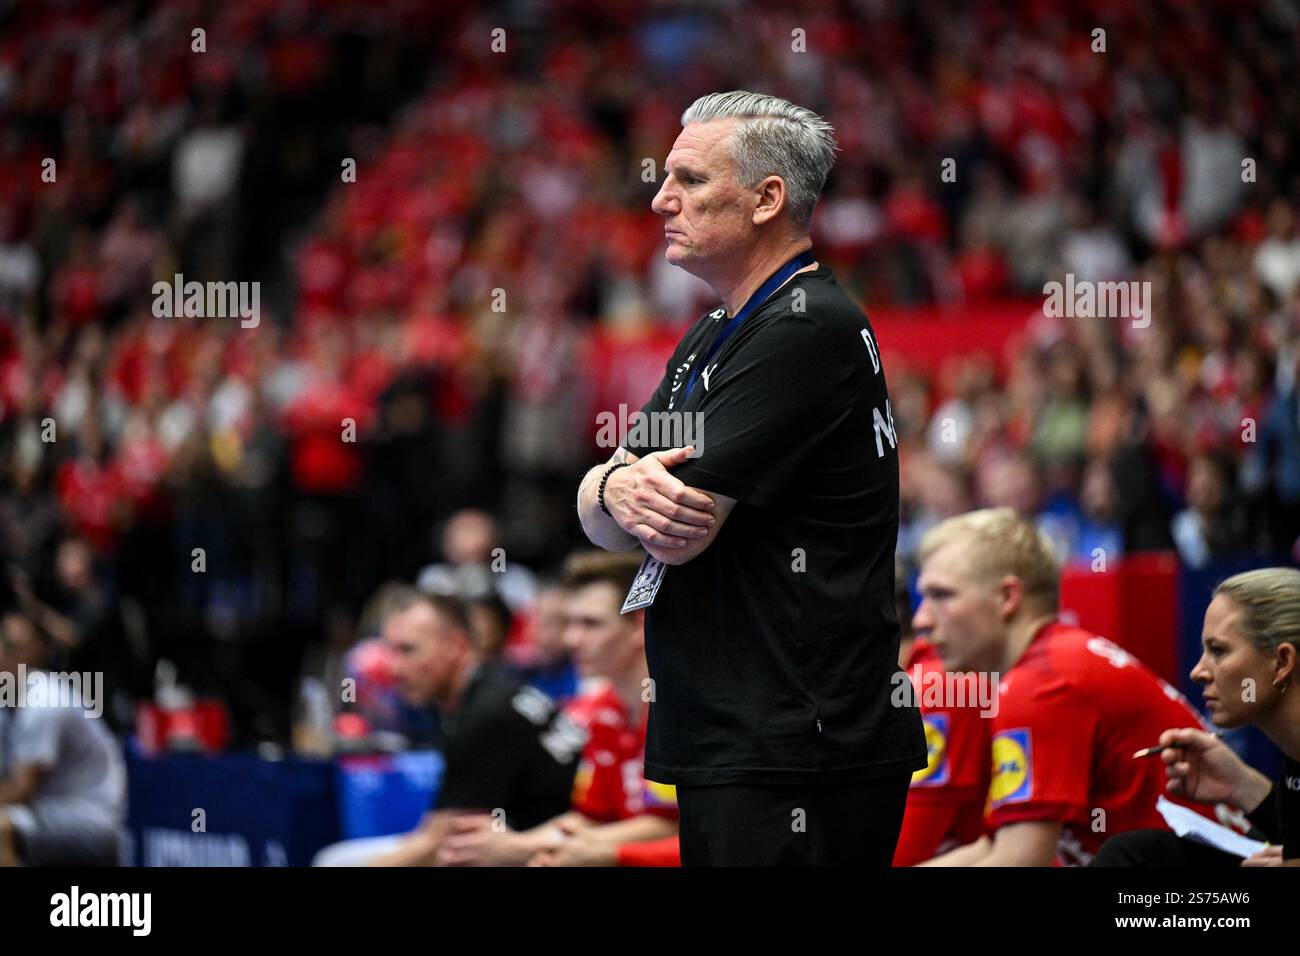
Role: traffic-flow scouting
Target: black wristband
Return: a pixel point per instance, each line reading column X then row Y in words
column 600, row 495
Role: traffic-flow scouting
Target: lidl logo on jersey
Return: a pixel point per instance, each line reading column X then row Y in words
column 935, row 773
column 659, row 794
column 582, row 778
column 1013, row 767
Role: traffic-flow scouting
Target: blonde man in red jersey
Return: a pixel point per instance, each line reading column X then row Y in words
column 1072, row 708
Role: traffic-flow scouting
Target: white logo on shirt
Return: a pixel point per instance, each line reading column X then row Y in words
column 533, row 704
column 677, row 379
column 1109, row 650
column 871, row 347
column 706, row 373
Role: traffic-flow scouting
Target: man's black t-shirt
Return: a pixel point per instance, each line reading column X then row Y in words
column 772, row 652
column 507, row 746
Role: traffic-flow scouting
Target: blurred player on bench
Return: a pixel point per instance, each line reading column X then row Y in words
column 945, row 804
column 1073, row 707
column 62, row 782
column 508, row 751
column 617, row 817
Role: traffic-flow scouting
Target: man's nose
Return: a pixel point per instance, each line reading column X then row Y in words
column 660, row 204
column 922, row 620
column 571, row 638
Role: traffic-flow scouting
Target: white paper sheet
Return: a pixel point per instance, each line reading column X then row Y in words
column 1192, row 825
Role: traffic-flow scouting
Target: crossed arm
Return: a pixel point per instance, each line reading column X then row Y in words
column 450, row 838
column 474, row 842
column 648, row 506
column 420, row 846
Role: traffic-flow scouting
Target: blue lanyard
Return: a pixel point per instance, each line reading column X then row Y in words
column 755, row 302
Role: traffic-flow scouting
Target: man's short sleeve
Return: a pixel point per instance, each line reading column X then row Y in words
column 554, row 759
column 519, row 758
column 1042, row 751
column 479, row 774
column 764, row 411
column 928, row 821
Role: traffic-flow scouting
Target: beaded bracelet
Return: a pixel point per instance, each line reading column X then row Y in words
column 600, row 495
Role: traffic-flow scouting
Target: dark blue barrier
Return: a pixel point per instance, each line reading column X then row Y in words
column 230, row 810
column 386, row 794
column 241, row 810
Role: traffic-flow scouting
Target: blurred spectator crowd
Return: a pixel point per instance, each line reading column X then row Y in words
column 494, row 277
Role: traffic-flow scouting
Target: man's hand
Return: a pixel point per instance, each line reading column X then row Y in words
column 673, row 521
column 656, row 508
column 580, row 847
column 420, row 846
column 473, row 842
column 651, row 508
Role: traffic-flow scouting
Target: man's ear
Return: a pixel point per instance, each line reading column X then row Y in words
column 772, row 198
column 1011, row 596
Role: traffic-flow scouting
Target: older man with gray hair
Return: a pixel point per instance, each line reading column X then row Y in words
column 771, row 634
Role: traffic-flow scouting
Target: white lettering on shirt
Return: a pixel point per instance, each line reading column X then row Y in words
column 884, row 424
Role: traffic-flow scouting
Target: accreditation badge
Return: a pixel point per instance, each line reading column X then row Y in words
column 646, row 585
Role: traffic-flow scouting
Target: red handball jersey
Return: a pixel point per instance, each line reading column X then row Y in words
column 1071, row 714
column 945, row 807
column 610, row 784
column 662, row 852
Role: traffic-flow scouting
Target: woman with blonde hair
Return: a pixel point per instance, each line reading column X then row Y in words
column 1247, row 671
